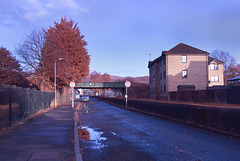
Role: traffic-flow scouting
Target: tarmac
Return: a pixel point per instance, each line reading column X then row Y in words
column 47, row 138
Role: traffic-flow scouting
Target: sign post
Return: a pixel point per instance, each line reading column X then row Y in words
column 72, row 85
column 127, row 85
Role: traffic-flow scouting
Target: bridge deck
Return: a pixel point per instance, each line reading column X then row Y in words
column 100, row 85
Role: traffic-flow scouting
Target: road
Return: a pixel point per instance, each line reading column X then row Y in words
column 118, row 134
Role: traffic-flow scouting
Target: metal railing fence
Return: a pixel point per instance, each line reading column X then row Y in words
column 17, row 103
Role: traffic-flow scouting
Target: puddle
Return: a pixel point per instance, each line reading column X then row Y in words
column 90, row 135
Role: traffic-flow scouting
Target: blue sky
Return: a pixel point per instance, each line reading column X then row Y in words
column 121, row 34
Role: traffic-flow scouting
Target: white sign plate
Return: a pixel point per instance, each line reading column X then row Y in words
column 127, row 84
column 72, row 84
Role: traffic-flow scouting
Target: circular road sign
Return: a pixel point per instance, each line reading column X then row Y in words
column 72, row 84
column 127, row 84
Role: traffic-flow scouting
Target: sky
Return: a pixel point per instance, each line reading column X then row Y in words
column 122, row 34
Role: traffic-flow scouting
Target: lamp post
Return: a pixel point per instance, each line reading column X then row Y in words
column 55, row 88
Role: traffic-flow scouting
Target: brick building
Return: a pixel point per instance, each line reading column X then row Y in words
column 183, row 66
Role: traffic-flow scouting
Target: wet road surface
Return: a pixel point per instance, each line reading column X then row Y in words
column 111, row 133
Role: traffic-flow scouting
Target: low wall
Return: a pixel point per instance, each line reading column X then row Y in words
column 226, row 120
column 200, row 96
column 227, row 94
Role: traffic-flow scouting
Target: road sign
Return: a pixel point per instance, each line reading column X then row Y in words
column 127, row 84
column 72, row 84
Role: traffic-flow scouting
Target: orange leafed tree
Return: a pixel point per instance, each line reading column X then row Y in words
column 95, row 77
column 234, row 71
column 10, row 69
column 64, row 40
column 106, row 77
column 98, row 77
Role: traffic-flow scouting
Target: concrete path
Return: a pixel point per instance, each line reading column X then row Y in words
column 49, row 137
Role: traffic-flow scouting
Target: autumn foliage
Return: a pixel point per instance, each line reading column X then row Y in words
column 64, row 40
column 98, row 77
column 62, row 44
column 10, row 69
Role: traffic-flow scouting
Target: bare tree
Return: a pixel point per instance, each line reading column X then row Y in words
column 229, row 62
column 30, row 52
column 224, row 56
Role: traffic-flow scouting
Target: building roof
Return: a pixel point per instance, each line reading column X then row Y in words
column 235, row 78
column 184, row 49
column 150, row 63
column 210, row 59
column 181, row 49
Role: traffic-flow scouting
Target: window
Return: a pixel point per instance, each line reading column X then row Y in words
column 164, row 75
column 214, row 66
column 214, row 79
column 164, row 89
column 184, row 74
column 184, row 59
column 160, row 76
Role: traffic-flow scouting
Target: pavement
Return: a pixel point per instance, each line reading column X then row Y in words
column 49, row 138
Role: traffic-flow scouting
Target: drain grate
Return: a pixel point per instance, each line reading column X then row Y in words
column 44, row 155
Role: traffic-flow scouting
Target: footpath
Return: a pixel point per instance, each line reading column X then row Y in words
column 49, row 137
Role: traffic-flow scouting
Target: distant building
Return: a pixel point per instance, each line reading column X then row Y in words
column 186, row 68
column 215, row 72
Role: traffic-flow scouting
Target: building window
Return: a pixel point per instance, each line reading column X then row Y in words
column 164, row 60
column 184, row 74
column 164, row 75
column 160, row 76
column 214, row 78
column 214, row 66
column 164, row 89
column 184, row 59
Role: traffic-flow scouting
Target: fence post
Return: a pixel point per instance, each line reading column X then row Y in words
column 10, row 107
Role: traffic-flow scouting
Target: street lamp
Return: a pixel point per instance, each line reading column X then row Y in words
column 55, row 88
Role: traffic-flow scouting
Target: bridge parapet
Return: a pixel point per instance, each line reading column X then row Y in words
column 100, row 85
